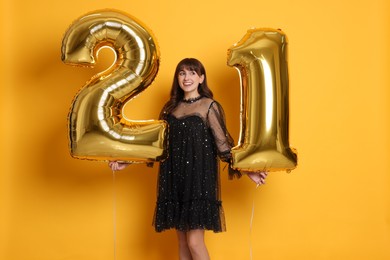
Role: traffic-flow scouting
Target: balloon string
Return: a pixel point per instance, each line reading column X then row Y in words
column 251, row 223
column 114, row 211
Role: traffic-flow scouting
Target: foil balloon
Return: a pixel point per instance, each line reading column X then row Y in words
column 261, row 60
column 98, row 129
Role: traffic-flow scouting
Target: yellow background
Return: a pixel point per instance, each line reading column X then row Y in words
column 335, row 205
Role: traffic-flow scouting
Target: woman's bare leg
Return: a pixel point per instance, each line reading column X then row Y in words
column 184, row 251
column 196, row 245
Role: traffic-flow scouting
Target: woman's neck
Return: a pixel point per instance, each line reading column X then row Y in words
column 191, row 95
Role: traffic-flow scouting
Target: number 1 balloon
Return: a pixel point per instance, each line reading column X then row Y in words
column 260, row 58
column 98, row 129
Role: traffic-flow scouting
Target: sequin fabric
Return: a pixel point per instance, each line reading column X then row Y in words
column 188, row 195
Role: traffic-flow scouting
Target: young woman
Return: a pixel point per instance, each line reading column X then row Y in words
column 189, row 197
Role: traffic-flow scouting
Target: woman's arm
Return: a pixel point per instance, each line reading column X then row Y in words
column 224, row 143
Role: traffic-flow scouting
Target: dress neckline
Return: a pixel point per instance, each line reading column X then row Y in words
column 191, row 100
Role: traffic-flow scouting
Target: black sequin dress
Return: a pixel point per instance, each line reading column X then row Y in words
column 188, row 195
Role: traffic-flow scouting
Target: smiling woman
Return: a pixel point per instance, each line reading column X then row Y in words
column 189, row 197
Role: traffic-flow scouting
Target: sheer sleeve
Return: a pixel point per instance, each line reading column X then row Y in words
column 223, row 140
column 163, row 112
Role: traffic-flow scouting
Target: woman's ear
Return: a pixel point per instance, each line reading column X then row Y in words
column 201, row 79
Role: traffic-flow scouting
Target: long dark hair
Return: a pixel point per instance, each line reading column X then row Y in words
column 177, row 94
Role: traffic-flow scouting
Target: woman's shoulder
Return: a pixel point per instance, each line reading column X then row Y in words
column 210, row 101
column 212, row 106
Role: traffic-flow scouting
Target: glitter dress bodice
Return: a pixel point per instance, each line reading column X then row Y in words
column 188, row 194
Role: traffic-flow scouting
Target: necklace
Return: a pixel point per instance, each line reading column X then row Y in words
column 192, row 100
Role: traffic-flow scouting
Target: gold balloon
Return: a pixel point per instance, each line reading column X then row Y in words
column 261, row 60
column 98, row 129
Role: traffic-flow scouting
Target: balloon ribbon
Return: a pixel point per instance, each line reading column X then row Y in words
column 251, row 223
column 114, row 211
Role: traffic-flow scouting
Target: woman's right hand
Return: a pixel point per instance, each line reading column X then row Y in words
column 117, row 166
column 258, row 177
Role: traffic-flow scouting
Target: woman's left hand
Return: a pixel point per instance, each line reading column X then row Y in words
column 117, row 166
column 257, row 177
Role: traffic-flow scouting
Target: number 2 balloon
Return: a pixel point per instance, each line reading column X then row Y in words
column 97, row 128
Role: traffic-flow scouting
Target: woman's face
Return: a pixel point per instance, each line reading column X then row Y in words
column 189, row 81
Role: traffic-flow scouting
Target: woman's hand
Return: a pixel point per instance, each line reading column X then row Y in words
column 117, row 166
column 257, row 177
